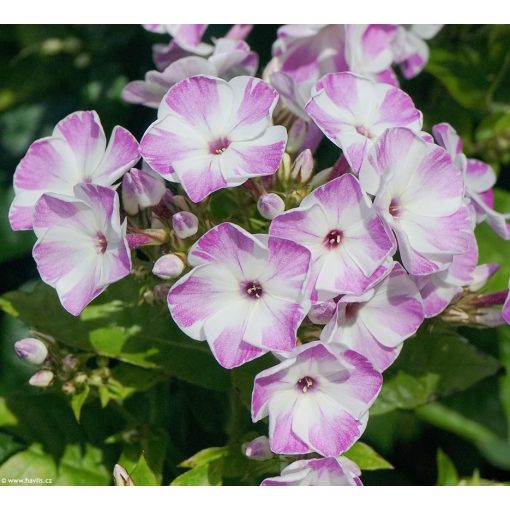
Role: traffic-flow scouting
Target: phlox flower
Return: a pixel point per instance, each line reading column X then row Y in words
column 368, row 51
column 81, row 244
column 212, row 134
column 245, row 296
column 230, row 58
column 410, row 49
column 419, row 194
column 346, row 238
column 376, row 323
column 479, row 179
column 353, row 111
column 329, row 471
column 186, row 36
column 141, row 188
column 75, row 153
column 440, row 288
column 307, row 52
column 317, row 400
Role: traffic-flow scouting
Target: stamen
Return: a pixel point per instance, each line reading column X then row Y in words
column 253, row 289
column 333, row 239
column 305, row 383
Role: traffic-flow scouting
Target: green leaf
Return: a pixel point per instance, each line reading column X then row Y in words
column 446, row 470
column 205, row 457
column 117, row 325
column 366, row 457
column 142, row 474
column 405, row 391
column 432, row 365
column 206, row 474
column 504, row 380
column 77, row 401
column 34, row 466
column 8, row 446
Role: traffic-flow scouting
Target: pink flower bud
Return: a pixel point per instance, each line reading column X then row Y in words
column 42, row 379
column 270, row 205
column 303, row 167
column 258, row 449
column 121, row 477
column 185, row 224
column 141, row 189
column 297, row 135
column 323, row 312
column 31, row 350
column 168, row 266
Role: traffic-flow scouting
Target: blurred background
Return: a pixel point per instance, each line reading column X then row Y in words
column 47, row 72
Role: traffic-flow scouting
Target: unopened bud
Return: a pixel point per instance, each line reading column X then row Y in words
column 270, row 205
column 168, row 266
column 303, row 167
column 489, row 317
column 297, row 135
column 121, row 477
column 180, row 202
column 323, row 312
column 185, row 224
column 147, row 237
column 31, row 350
column 141, row 189
column 70, row 363
column 42, row 378
column 285, row 167
column 258, row 449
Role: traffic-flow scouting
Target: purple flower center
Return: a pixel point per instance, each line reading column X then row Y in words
column 362, row 130
column 351, row 311
column 306, row 383
column 394, row 208
column 333, row 239
column 219, row 146
column 253, row 289
column 101, row 243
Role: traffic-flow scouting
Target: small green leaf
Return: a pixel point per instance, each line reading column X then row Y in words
column 205, row 457
column 8, row 446
column 405, row 391
column 77, row 401
column 446, row 470
column 206, row 474
column 366, row 457
column 142, row 474
column 77, row 466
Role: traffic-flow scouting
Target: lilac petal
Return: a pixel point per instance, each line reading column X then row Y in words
column 85, row 136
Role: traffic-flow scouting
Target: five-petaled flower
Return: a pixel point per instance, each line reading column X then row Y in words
column 212, row 134
column 81, row 244
column 317, row 400
column 346, row 238
column 75, row 153
column 246, row 295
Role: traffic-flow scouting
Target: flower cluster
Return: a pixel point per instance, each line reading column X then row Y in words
column 338, row 269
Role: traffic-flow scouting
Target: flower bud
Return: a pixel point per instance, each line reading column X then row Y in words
column 303, row 167
column 31, row 350
column 121, row 477
column 185, row 224
column 141, row 189
column 42, row 378
column 297, row 135
column 270, row 205
column 489, row 317
column 258, row 449
column 168, row 266
column 323, row 312
column 70, row 363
